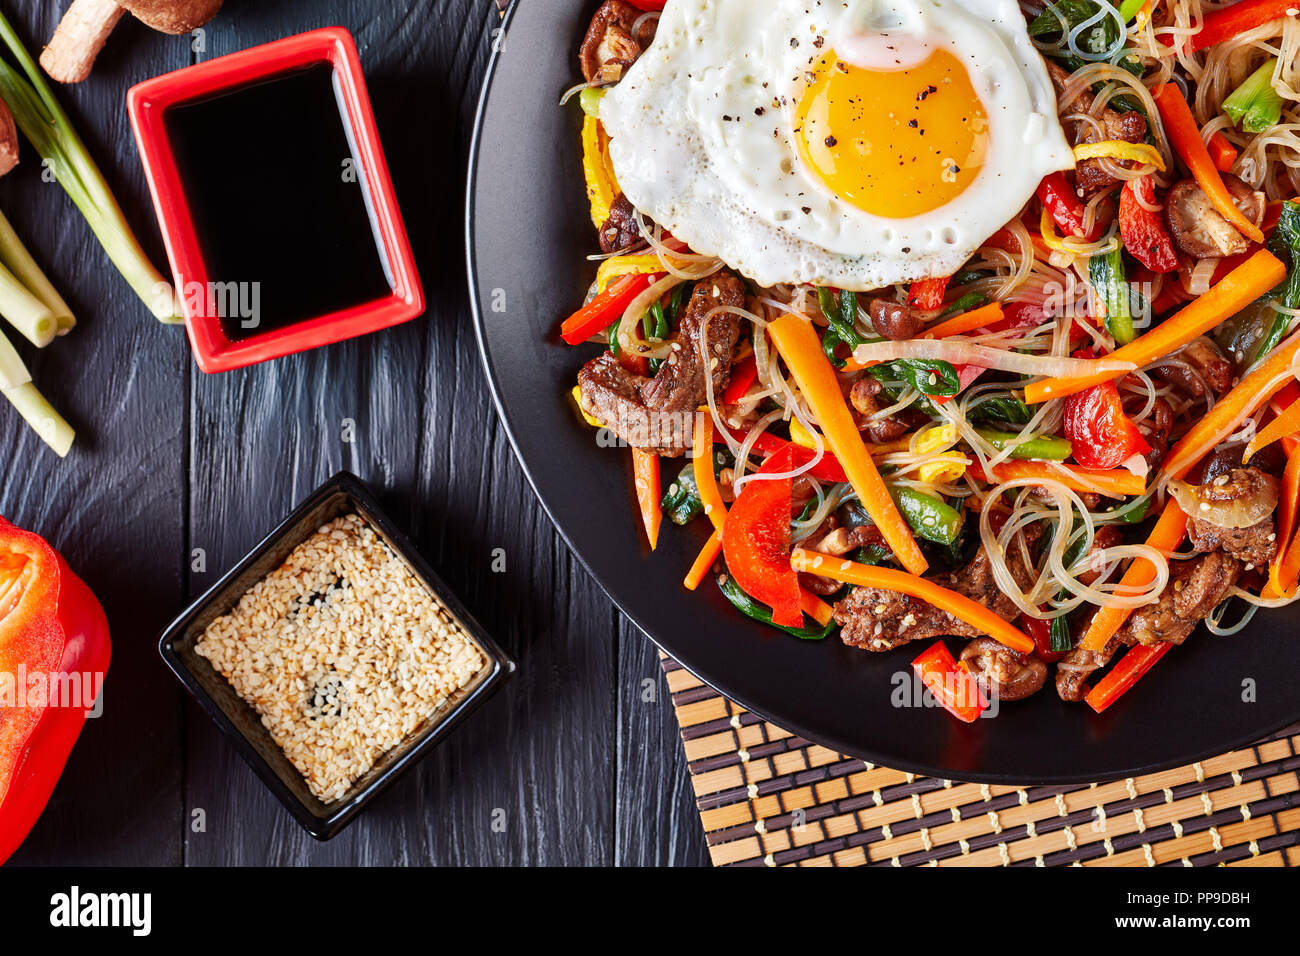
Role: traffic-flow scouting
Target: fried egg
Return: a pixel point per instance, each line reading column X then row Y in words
column 851, row 143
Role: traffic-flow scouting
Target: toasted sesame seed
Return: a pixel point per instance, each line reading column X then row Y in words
column 342, row 652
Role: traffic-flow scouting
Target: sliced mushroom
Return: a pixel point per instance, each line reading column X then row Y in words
column 1002, row 672
column 894, row 320
column 86, row 26
column 618, row 35
column 1198, row 229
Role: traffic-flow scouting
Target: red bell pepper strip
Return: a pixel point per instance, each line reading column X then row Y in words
column 742, row 376
column 1101, row 435
column 928, row 294
column 1041, row 632
column 828, row 469
column 952, row 684
column 597, row 314
column 966, row 376
column 1143, row 231
column 1062, row 204
column 756, row 542
column 53, row 631
column 1140, row 659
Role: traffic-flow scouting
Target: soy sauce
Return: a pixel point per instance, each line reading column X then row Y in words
column 278, row 202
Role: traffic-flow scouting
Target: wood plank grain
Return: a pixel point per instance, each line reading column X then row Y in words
column 115, row 506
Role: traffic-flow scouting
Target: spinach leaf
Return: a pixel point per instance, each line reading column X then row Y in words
column 1007, row 409
column 928, row 376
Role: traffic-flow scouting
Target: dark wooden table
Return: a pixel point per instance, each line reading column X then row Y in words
column 176, row 474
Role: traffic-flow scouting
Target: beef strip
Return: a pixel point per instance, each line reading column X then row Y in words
column 610, row 45
column 1090, row 176
column 878, row 620
column 620, row 231
column 1256, row 544
column 1074, row 669
column 1195, row 588
column 1003, row 673
column 1198, row 229
column 656, row 414
column 1209, row 369
column 868, row 398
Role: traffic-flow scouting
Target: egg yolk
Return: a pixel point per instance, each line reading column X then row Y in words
column 895, row 143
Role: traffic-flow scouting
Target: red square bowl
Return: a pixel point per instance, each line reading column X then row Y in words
column 148, row 102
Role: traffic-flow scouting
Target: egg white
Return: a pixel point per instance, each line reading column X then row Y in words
column 702, row 141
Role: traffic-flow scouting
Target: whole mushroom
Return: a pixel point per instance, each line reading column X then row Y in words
column 84, row 29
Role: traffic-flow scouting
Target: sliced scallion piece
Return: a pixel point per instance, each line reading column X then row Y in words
column 1255, row 105
column 15, row 257
column 16, row 385
column 47, row 126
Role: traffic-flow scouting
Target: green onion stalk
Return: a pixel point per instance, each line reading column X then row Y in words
column 47, row 126
column 28, row 300
column 16, row 385
column 1256, row 105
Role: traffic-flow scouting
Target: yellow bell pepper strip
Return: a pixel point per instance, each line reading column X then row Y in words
column 1185, row 137
column 1228, row 413
column 1287, row 423
column 706, row 482
column 576, row 392
column 801, row 349
column 1125, row 674
column 645, row 470
column 1120, row 150
column 1165, row 536
column 601, row 190
column 951, row 683
column 708, row 554
column 891, row 579
column 1240, row 287
column 980, row 318
column 1116, row 484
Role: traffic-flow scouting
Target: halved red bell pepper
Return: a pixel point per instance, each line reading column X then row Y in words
column 928, row 294
column 1143, row 231
column 952, row 684
column 756, row 542
column 1100, row 434
column 597, row 314
column 1140, row 659
column 54, row 653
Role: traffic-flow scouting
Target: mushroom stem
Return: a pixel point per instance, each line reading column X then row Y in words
column 80, row 36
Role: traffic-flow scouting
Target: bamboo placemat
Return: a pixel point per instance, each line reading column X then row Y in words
column 769, row 798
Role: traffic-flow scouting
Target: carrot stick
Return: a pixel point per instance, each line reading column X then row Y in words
column 1185, row 137
column 1287, row 423
column 1165, row 536
column 1284, row 572
column 1116, row 484
column 1223, row 153
column 889, row 579
column 645, row 469
column 705, row 480
column 708, row 554
column 815, row 607
column 979, row 318
column 799, row 345
column 1243, row 285
column 1227, row 414
column 1288, row 499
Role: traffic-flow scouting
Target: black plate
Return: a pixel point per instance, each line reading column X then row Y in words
column 528, row 234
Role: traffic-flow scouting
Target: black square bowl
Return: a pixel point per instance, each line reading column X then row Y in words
column 341, row 495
